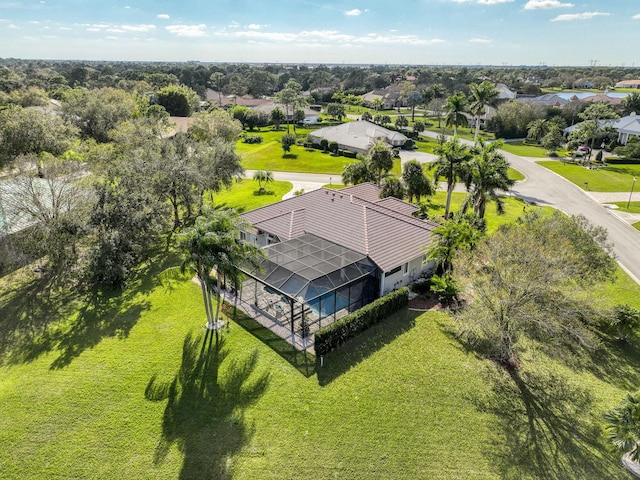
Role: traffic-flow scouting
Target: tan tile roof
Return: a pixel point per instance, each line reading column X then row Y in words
column 381, row 229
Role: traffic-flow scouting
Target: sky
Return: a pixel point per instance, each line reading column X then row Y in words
column 416, row 32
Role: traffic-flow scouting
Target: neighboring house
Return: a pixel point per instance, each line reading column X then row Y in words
column 504, row 93
column 628, row 84
column 358, row 136
column 220, row 99
column 390, row 96
column 310, row 115
column 583, row 83
column 547, row 100
column 626, row 127
column 604, row 98
column 330, row 252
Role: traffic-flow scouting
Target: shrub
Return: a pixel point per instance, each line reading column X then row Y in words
column 421, row 286
column 252, row 139
column 338, row 333
column 445, row 288
column 333, row 147
column 324, row 144
column 625, row 320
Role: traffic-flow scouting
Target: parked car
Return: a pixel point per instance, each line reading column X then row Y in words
column 582, row 151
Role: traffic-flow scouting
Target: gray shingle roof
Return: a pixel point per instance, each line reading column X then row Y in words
column 382, row 229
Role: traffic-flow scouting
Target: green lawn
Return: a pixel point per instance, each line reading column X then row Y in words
column 122, row 386
column 116, row 388
column 634, row 207
column 245, row 195
column 513, row 208
column 614, row 178
column 525, row 150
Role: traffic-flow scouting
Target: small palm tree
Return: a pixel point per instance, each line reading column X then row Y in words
column 263, row 177
column 623, row 426
column 536, row 129
column 213, row 243
column 358, row 172
column 486, row 174
column 381, row 159
column 450, row 164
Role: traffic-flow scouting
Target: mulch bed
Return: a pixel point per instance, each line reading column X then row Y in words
column 422, row 302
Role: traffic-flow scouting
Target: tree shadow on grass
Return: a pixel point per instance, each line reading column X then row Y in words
column 616, row 362
column 545, row 427
column 35, row 321
column 302, row 361
column 364, row 345
column 206, row 399
column 290, row 156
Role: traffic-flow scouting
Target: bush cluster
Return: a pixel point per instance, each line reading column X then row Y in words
column 337, row 334
column 252, row 139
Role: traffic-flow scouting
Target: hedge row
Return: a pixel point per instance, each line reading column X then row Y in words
column 622, row 161
column 332, row 336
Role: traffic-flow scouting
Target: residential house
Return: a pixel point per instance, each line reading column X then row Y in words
column 331, row 252
column 390, row 96
column 625, row 127
column 358, row 136
column 628, row 84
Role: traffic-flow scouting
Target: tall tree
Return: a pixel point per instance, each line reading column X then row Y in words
column 631, row 104
column 508, row 300
column 481, row 96
column 593, row 115
column 392, row 187
column 453, row 156
column 213, row 243
column 537, row 129
column 290, row 97
column 437, row 95
column 24, row 131
column 486, row 175
column 216, row 125
column 414, row 98
column 455, row 107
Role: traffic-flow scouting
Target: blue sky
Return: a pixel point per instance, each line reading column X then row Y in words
column 514, row 32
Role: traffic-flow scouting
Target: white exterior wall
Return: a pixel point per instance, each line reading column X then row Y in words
column 399, row 279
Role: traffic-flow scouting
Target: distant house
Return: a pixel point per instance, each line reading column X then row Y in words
column 547, row 100
column 331, row 252
column 390, row 96
column 626, row 127
column 628, row 84
column 358, row 136
column 504, row 93
column 220, row 99
column 583, row 83
column 310, row 115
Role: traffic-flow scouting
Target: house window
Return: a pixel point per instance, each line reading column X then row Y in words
column 243, row 236
column 405, row 269
column 391, row 272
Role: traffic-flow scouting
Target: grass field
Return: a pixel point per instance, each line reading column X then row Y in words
column 117, row 388
column 525, row 150
column 245, row 195
column 614, row 178
column 124, row 386
column 269, row 155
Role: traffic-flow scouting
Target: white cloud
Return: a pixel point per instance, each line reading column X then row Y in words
column 13, row 27
column 479, row 40
column 316, row 37
column 164, row 16
column 138, row 28
column 636, row 17
column 568, row 17
column 234, row 24
column 353, row 13
column 188, row 30
column 256, row 26
column 545, row 4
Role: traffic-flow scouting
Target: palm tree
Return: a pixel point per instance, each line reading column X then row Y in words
column 416, row 182
column 536, row 129
column 358, row 172
column 623, row 426
column 381, row 159
column 377, row 103
column 481, row 96
column 486, row 174
column 213, row 243
column 450, row 164
column 455, row 108
column 263, row 177
column 452, row 235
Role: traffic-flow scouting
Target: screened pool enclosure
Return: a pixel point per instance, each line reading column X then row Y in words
column 308, row 282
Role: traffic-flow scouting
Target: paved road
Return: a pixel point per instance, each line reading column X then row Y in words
column 542, row 187
column 545, row 187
